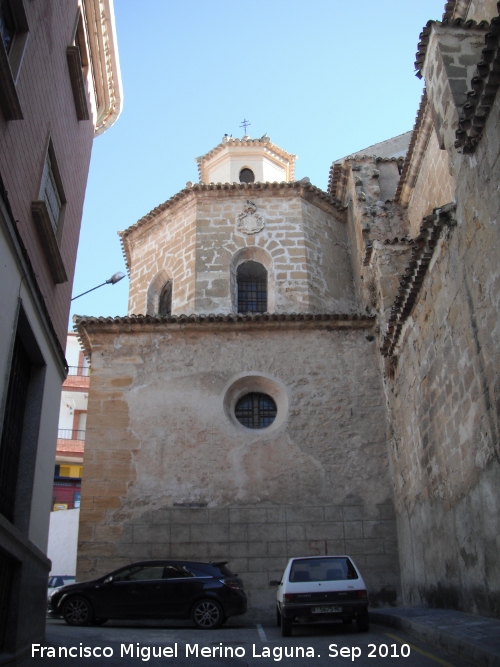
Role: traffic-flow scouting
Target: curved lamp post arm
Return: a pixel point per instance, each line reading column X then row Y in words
column 115, row 278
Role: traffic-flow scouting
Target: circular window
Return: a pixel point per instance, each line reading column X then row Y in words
column 256, row 410
column 256, row 403
column 247, row 176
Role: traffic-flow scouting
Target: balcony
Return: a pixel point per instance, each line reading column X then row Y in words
column 78, row 378
column 83, row 371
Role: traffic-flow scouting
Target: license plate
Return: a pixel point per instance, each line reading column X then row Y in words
column 326, row 609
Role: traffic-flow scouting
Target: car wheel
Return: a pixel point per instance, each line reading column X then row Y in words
column 286, row 627
column 363, row 622
column 77, row 611
column 278, row 617
column 207, row 615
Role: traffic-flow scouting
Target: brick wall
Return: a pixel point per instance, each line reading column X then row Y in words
column 45, row 94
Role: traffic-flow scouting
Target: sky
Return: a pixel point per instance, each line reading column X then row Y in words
column 322, row 78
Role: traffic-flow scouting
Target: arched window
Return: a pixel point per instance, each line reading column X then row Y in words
column 247, row 175
column 165, row 300
column 251, row 279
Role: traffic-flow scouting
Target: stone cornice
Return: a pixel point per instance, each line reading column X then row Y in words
column 86, row 325
column 485, row 84
column 371, row 245
column 106, row 65
column 416, row 151
column 446, row 23
column 413, row 278
column 307, row 191
column 264, row 142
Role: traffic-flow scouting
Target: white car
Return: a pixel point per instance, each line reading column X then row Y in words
column 56, row 581
column 321, row 588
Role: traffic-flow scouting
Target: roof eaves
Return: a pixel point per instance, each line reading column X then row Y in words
column 480, row 99
column 411, row 148
column 413, row 278
column 84, row 324
column 214, row 187
column 446, row 23
column 263, row 141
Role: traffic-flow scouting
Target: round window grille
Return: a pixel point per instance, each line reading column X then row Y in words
column 247, row 176
column 255, row 410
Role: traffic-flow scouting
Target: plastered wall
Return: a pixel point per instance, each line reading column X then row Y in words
column 170, row 472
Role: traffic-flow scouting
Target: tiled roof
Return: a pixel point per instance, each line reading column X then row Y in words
column 232, row 187
column 403, row 240
column 130, row 323
column 485, row 84
column 413, row 278
column 411, row 147
column 449, row 9
column 452, row 23
column 301, row 187
column 246, row 141
column 337, row 180
column 456, row 9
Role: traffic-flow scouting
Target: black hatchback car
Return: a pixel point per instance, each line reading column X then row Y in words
column 208, row 593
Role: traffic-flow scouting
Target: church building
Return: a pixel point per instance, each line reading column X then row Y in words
column 242, row 416
column 305, row 372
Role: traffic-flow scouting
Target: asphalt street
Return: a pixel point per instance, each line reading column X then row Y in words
column 239, row 644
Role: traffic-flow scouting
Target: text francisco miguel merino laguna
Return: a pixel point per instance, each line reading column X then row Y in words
column 145, row 653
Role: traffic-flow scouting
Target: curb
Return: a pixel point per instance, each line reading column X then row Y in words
column 473, row 652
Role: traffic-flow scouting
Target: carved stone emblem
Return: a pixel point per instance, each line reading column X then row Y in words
column 250, row 222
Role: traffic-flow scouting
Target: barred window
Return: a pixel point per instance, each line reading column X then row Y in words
column 252, row 288
column 165, row 300
column 256, row 410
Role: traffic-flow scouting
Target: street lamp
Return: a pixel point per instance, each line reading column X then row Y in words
column 115, row 278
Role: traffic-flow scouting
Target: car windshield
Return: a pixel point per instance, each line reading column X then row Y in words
column 322, row 569
column 57, row 582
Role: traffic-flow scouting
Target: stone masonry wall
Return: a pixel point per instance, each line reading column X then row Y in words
column 196, row 241
column 434, row 186
column 174, row 229
column 169, row 471
column 444, row 404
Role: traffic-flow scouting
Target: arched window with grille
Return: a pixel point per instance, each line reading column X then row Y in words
column 251, row 280
column 165, row 300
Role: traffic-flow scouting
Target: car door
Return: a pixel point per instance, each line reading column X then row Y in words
column 182, row 588
column 135, row 592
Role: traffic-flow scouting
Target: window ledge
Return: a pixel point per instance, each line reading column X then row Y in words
column 49, row 242
column 77, row 82
column 9, row 100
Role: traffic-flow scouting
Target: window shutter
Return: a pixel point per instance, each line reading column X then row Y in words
column 51, row 194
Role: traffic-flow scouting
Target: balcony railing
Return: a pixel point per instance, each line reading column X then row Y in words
column 70, row 434
column 84, row 371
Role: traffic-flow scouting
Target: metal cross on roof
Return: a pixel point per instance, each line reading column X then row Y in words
column 244, row 124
